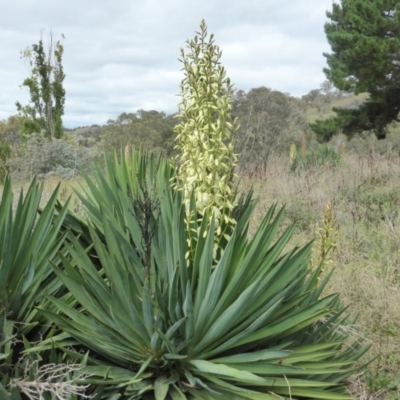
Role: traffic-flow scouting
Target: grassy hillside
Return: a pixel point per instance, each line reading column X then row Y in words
column 324, row 108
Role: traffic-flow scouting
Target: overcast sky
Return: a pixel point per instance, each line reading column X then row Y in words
column 121, row 55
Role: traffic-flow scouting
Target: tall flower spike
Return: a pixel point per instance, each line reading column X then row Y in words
column 326, row 240
column 205, row 132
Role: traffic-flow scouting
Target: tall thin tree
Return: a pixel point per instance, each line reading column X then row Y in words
column 47, row 94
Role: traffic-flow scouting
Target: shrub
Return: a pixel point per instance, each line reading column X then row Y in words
column 43, row 158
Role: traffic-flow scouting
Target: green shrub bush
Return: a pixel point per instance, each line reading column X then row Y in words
column 43, row 158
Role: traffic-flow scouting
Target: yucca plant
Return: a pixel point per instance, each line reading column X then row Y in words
column 251, row 326
column 29, row 239
column 161, row 313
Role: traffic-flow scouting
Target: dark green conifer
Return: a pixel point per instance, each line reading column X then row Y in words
column 365, row 40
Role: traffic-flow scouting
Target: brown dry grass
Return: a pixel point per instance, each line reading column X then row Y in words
column 350, row 101
column 365, row 192
column 67, row 191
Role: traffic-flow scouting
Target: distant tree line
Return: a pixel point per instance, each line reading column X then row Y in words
column 269, row 121
column 148, row 129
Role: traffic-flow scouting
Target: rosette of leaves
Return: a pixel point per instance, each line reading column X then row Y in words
column 250, row 325
column 205, row 133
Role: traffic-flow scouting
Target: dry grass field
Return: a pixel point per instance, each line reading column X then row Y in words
column 364, row 189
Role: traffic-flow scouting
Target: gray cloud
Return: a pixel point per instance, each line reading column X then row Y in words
column 122, row 55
